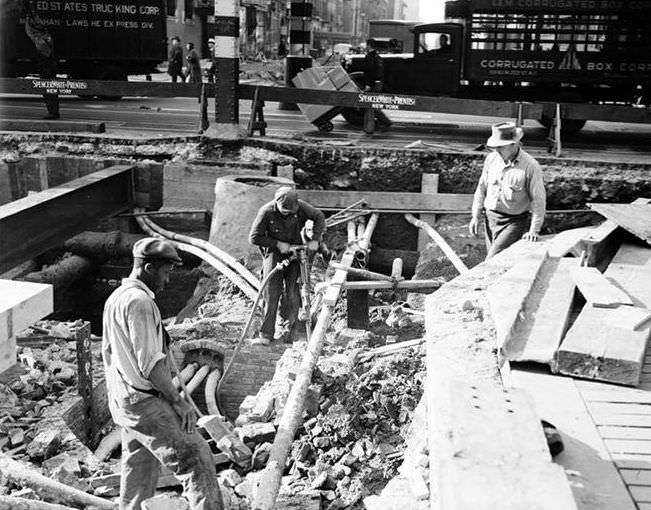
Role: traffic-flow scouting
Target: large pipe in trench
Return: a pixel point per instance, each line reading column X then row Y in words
column 269, row 483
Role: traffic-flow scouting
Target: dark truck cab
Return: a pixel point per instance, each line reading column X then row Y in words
column 504, row 51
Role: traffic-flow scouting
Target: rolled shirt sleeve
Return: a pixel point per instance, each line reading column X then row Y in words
column 480, row 194
column 146, row 335
column 538, row 198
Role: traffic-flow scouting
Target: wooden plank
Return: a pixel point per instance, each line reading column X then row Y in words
column 429, row 184
column 389, row 201
column 508, row 297
column 632, row 461
column 640, row 433
column 595, row 349
column 628, row 446
column 636, row 476
column 641, row 494
column 52, row 126
column 626, row 397
column 643, row 505
column 567, row 242
column 625, row 420
column 620, row 408
column 475, row 473
column 627, row 317
column 635, row 218
column 601, row 244
column 593, row 478
column 21, row 304
column 597, row 289
column 544, row 320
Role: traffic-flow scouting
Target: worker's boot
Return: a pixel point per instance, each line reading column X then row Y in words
column 553, row 437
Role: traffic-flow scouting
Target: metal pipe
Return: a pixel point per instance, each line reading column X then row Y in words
column 365, row 241
column 352, row 231
column 210, row 248
column 436, row 237
column 362, row 273
column 211, row 391
column 361, row 226
column 269, row 484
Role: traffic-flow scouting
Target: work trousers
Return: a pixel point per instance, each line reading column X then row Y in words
column 151, row 436
column 282, row 289
column 502, row 230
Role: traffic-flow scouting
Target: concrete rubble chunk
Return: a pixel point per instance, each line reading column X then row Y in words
column 261, row 456
column 230, row 478
column 247, row 404
column 165, row 502
column 256, row 432
column 263, row 409
column 44, row 445
column 63, row 461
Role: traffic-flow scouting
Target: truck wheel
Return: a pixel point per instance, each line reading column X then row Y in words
column 112, row 73
column 568, row 126
column 326, row 126
column 354, row 116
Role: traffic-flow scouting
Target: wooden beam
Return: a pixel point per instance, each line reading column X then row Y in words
column 21, row 304
column 429, row 184
column 597, row 289
column 390, row 201
column 635, row 218
column 594, row 347
column 41, row 221
column 593, row 478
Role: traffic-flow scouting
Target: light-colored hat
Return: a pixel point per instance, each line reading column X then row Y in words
column 504, row 133
column 152, row 248
column 211, row 41
column 286, row 199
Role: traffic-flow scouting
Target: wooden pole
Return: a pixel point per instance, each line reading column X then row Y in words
column 449, row 252
column 11, row 503
column 362, row 273
column 22, row 475
column 269, row 483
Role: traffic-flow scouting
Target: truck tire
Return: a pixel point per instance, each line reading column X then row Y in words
column 568, row 126
column 111, row 72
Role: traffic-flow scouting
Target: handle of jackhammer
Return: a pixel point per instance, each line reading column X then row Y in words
column 184, row 388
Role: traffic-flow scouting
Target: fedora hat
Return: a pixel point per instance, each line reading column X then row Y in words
column 504, row 133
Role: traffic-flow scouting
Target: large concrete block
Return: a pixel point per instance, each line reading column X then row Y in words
column 21, row 304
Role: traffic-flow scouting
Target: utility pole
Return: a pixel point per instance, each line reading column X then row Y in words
column 227, row 70
column 300, row 43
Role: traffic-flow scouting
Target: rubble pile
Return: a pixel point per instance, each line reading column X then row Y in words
column 356, row 420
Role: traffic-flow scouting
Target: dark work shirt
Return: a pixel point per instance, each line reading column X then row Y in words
column 373, row 68
column 270, row 226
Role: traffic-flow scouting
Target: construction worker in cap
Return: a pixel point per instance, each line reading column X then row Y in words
column 510, row 192
column 275, row 229
column 158, row 426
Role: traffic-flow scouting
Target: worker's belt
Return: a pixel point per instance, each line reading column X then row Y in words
column 506, row 215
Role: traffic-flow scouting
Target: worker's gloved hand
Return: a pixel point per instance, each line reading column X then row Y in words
column 282, row 246
column 187, row 414
column 530, row 236
column 473, row 226
column 313, row 245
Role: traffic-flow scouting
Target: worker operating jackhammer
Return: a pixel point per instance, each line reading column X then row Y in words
column 276, row 228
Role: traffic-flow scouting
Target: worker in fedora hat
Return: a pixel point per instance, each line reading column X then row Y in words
column 158, row 426
column 276, row 227
column 510, row 192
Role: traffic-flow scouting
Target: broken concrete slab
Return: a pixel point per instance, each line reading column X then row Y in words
column 256, row 432
column 165, row 502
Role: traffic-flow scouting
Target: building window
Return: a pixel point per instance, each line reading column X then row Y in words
column 189, row 9
column 171, row 7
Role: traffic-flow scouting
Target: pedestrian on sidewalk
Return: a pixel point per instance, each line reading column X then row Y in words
column 158, row 426
column 212, row 70
column 175, row 60
column 40, row 36
column 276, row 227
column 510, row 192
column 194, row 64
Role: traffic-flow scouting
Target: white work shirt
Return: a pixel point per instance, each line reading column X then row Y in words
column 511, row 188
column 132, row 342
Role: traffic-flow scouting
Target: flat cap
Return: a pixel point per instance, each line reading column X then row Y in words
column 286, row 199
column 152, row 248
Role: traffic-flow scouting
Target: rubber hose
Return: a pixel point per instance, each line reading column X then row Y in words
column 211, row 391
column 197, row 379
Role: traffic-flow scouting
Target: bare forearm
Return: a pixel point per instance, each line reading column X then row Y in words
column 161, row 378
